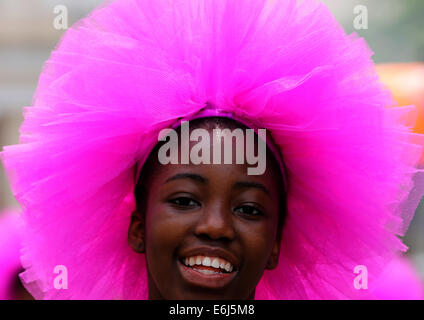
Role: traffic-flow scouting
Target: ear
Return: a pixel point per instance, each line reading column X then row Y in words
column 136, row 232
column 273, row 258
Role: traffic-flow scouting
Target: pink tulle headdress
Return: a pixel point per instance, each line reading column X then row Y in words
column 134, row 67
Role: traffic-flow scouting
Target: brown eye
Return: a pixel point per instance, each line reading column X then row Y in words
column 184, row 202
column 249, row 210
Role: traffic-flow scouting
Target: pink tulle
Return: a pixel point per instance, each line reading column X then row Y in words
column 10, row 244
column 399, row 281
column 133, row 67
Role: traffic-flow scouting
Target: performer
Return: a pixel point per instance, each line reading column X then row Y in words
column 95, row 197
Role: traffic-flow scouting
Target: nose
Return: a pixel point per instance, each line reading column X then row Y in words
column 216, row 223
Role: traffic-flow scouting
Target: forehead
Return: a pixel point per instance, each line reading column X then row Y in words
column 208, row 135
column 222, row 175
column 231, row 160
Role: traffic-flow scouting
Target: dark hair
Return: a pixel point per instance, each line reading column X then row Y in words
column 208, row 123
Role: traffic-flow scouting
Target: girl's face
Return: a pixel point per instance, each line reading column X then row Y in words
column 208, row 231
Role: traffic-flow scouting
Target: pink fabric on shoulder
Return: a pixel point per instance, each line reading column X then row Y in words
column 399, row 281
column 10, row 244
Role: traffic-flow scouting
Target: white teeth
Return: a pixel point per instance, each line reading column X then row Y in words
column 207, row 271
column 215, row 263
column 206, row 262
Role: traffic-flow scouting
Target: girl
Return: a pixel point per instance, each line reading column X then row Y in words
column 208, row 230
column 338, row 198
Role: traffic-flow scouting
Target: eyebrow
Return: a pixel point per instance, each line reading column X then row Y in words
column 192, row 176
column 257, row 185
column 237, row 185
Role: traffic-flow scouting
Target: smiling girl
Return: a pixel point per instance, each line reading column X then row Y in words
column 208, row 230
column 341, row 180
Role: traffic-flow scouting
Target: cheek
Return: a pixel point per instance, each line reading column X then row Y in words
column 163, row 235
column 258, row 240
column 164, row 231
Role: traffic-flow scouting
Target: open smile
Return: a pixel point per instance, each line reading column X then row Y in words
column 205, row 278
column 208, row 270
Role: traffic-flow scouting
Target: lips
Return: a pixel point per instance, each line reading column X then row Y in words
column 208, row 267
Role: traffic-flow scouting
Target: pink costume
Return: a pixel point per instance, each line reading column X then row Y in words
column 134, row 67
column 10, row 244
column 399, row 281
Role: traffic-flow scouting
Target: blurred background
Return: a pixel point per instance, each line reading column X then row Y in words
column 395, row 32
